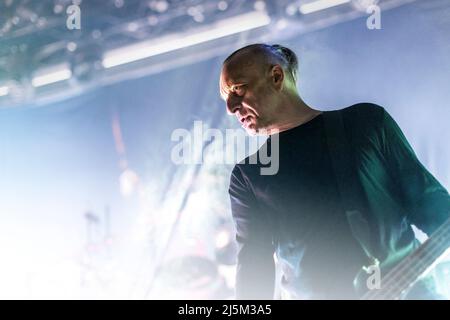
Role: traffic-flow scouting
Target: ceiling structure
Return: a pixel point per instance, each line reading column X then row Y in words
column 43, row 57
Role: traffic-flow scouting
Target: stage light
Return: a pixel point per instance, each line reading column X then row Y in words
column 291, row 9
column 260, row 5
column 96, row 34
column 223, row 238
column 51, row 75
column 159, row 6
column 199, row 18
column 58, row 8
column 222, row 5
column 119, row 3
column 152, row 20
column 320, row 5
column 128, row 182
column 4, row 91
column 71, row 46
column 132, row 27
column 176, row 41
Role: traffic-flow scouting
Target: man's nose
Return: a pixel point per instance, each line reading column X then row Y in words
column 233, row 105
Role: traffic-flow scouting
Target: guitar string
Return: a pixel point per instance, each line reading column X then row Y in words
column 405, row 271
column 412, row 275
column 390, row 288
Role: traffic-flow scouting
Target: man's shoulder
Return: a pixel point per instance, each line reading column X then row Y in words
column 363, row 116
column 248, row 170
column 246, row 166
column 364, row 110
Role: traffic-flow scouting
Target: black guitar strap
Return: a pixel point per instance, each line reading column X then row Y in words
column 350, row 190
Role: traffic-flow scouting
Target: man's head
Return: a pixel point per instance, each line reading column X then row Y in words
column 255, row 82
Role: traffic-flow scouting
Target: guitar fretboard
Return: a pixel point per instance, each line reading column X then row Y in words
column 406, row 273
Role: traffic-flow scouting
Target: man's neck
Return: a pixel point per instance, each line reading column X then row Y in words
column 295, row 114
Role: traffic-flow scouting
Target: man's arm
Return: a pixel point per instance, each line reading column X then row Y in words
column 424, row 198
column 255, row 265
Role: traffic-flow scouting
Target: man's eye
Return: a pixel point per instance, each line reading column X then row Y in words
column 239, row 90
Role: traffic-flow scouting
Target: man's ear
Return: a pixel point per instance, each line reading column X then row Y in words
column 277, row 76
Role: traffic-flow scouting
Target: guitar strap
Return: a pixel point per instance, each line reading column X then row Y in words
column 350, row 190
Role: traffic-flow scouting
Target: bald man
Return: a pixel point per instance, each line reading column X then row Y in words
column 298, row 213
column 268, row 83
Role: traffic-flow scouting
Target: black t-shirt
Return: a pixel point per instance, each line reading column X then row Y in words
column 297, row 212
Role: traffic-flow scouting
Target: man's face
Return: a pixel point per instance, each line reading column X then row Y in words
column 246, row 89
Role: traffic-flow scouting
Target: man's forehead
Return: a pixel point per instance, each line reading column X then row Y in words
column 232, row 76
column 238, row 71
column 243, row 61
